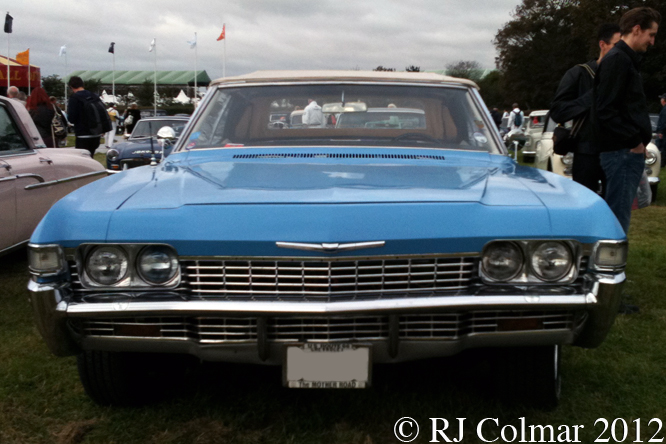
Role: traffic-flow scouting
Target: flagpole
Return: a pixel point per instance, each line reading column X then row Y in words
column 66, row 71
column 8, row 60
column 224, row 57
column 29, row 72
column 155, row 88
column 113, row 77
column 196, row 68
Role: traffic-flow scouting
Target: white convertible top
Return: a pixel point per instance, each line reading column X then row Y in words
column 304, row 76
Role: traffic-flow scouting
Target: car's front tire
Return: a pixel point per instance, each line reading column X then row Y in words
column 530, row 376
column 112, row 378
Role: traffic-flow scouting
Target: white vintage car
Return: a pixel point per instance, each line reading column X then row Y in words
column 534, row 126
column 546, row 159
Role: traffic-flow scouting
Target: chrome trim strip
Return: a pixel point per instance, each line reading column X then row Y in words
column 331, row 247
column 7, row 179
column 14, row 247
column 458, row 302
column 31, row 176
column 317, row 258
column 67, row 179
column 28, row 151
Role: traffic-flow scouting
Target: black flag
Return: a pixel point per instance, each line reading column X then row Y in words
column 111, row 50
column 8, row 23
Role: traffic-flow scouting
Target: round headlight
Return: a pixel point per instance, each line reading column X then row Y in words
column 567, row 159
column 502, row 261
column 157, row 264
column 107, row 265
column 650, row 157
column 112, row 155
column 551, row 261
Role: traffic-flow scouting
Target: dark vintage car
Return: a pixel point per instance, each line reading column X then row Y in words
column 327, row 250
column 33, row 177
column 142, row 145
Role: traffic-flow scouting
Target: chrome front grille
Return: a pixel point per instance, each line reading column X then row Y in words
column 328, row 329
column 318, row 279
column 208, row 330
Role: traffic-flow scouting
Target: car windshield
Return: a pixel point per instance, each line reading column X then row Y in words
column 343, row 115
column 147, row 128
column 537, row 121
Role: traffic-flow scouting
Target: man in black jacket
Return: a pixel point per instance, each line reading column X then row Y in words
column 75, row 114
column 621, row 113
column 573, row 101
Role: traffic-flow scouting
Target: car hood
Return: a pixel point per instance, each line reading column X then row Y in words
column 240, row 202
column 256, row 177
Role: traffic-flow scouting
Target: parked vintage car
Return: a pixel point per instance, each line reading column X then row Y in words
column 534, row 125
column 326, row 250
column 142, row 144
column 546, row 159
column 33, row 177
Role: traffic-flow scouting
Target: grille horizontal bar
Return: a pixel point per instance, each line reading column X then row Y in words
column 320, row 279
column 208, row 330
column 324, row 277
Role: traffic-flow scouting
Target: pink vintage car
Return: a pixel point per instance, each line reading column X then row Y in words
column 32, row 177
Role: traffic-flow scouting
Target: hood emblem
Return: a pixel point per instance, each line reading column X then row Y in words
column 331, row 247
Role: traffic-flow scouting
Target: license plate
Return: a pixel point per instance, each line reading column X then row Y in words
column 327, row 366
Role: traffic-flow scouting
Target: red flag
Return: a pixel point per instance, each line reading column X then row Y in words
column 221, row 37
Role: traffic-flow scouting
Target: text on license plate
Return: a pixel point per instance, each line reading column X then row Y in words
column 316, row 365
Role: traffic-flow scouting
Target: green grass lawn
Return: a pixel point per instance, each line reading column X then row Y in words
column 42, row 401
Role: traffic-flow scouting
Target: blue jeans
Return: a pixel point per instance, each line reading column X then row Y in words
column 623, row 170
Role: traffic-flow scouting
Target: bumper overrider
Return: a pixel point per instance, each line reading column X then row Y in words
column 257, row 330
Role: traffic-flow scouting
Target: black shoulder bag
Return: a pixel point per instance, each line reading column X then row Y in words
column 565, row 140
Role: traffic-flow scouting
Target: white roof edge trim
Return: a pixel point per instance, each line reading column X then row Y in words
column 304, row 76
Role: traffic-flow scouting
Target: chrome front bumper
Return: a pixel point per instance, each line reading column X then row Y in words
column 57, row 314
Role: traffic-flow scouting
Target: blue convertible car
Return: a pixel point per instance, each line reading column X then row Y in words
column 325, row 249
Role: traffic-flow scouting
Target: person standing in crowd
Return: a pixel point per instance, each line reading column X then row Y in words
column 621, row 113
column 14, row 93
column 41, row 111
column 661, row 130
column 312, row 114
column 75, row 114
column 113, row 115
column 515, row 122
column 130, row 117
column 516, row 118
column 54, row 102
column 497, row 117
column 573, row 101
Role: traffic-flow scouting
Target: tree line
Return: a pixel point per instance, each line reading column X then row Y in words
column 544, row 39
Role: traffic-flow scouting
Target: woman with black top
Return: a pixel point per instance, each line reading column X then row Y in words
column 42, row 112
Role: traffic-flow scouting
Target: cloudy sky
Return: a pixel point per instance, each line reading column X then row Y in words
column 261, row 34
